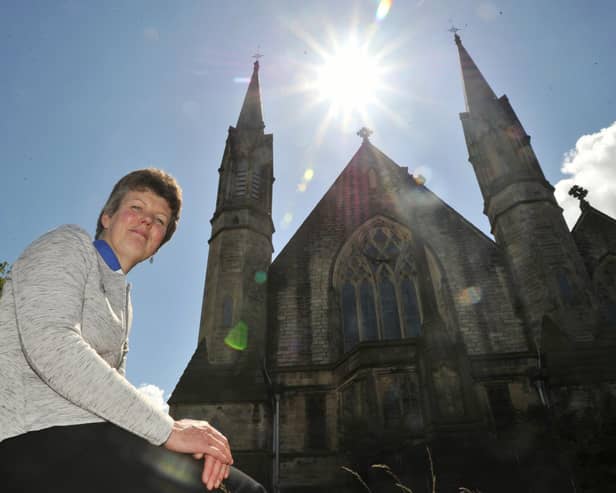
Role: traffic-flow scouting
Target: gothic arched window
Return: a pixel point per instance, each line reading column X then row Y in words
column 227, row 312
column 375, row 278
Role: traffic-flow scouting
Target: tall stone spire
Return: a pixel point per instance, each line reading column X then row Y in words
column 251, row 114
column 477, row 91
column 241, row 242
column 525, row 218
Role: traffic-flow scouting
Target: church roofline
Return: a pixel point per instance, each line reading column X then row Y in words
column 367, row 146
column 587, row 211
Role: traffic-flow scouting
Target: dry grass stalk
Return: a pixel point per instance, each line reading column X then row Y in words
column 396, row 479
column 357, row 476
column 431, row 470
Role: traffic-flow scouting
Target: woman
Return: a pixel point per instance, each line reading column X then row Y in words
column 69, row 420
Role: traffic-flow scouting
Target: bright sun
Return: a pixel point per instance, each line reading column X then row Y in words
column 346, row 75
column 349, row 80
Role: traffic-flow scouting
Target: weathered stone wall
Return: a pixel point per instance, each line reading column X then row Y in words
column 247, row 426
column 595, row 237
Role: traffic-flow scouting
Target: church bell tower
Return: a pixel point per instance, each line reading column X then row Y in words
column 233, row 317
column 525, row 218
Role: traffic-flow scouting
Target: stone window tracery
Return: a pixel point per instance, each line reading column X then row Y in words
column 375, row 278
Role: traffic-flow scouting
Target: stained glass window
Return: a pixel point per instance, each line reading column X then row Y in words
column 370, row 330
column 411, row 309
column 389, row 309
column 375, row 278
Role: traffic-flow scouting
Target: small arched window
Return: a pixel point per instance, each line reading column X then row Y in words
column 564, row 287
column 372, row 179
column 605, row 283
column 227, row 311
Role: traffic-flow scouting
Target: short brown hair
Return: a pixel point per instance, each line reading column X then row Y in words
column 157, row 181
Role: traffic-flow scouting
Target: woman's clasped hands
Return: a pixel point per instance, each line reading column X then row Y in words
column 202, row 440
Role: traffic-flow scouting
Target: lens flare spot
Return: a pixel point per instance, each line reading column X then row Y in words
column 260, row 277
column 301, row 187
column 420, row 180
column 286, row 219
column 470, row 295
column 237, row 338
column 383, row 9
column 308, row 174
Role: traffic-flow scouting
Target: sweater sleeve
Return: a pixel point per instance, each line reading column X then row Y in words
column 49, row 281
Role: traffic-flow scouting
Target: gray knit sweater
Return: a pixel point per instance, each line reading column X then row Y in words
column 64, row 323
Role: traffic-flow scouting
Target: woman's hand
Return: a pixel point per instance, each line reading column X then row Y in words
column 200, row 439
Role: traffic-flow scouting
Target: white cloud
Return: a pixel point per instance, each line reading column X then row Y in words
column 151, row 34
column 155, row 395
column 591, row 165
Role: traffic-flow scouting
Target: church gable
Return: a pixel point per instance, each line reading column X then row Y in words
column 348, row 274
column 595, row 236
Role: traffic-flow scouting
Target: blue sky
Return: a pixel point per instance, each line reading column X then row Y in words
column 92, row 90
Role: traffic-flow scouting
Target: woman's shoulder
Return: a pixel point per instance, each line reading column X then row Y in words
column 70, row 231
column 66, row 232
column 66, row 241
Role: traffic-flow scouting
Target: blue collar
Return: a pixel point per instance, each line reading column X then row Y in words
column 108, row 255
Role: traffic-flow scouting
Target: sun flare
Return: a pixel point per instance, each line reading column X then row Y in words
column 348, row 74
column 349, row 79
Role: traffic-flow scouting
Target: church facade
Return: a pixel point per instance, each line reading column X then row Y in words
column 389, row 321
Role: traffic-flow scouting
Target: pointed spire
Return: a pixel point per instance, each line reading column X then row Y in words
column 477, row 92
column 251, row 115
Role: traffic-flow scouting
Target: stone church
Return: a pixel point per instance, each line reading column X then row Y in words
column 388, row 316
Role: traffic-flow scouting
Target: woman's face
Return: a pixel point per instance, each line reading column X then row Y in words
column 135, row 231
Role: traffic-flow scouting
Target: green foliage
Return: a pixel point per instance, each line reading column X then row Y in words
column 5, row 269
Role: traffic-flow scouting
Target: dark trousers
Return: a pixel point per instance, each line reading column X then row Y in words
column 102, row 458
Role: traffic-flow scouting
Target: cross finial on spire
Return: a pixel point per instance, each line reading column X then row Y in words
column 364, row 133
column 580, row 194
column 453, row 29
column 256, row 56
